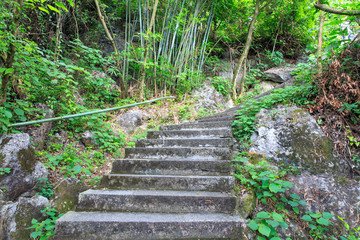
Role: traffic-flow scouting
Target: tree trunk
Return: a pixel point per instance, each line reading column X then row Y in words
column 320, row 41
column 328, row 9
column 246, row 50
column 142, row 75
column 108, row 34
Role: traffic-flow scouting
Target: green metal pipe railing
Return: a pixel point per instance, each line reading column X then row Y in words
column 85, row 114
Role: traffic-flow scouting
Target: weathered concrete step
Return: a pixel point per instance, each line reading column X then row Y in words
column 168, row 182
column 168, row 167
column 218, row 119
column 214, row 133
column 137, row 226
column 156, row 201
column 201, row 142
column 179, row 153
column 196, row 125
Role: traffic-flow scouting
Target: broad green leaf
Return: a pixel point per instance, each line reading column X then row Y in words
column 53, row 9
column 306, row 218
column 263, row 215
column 293, row 204
column 295, row 196
column 253, row 225
column 275, row 187
column 284, row 225
column 44, row 10
column 2, row 70
column 296, row 210
column 19, row 112
column 77, row 169
column 267, row 194
column 327, row 215
column 36, row 234
column 323, row 221
column 315, row 215
column 61, row 5
column 277, row 217
column 273, row 223
column 275, row 238
column 9, row 70
column 303, row 203
column 264, row 230
column 8, row 114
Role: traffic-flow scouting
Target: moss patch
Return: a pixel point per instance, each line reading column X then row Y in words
column 27, row 159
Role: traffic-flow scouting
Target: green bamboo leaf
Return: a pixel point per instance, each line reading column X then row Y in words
column 53, row 9
column 61, row 5
column 264, row 230
column 71, row 2
column 44, row 10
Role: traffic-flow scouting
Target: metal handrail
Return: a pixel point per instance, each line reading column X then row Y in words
column 85, row 114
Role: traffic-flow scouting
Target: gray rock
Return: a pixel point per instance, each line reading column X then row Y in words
column 280, row 74
column 16, row 217
column 265, row 86
column 39, row 134
column 67, row 194
column 208, row 98
column 88, row 138
column 330, row 193
column 130, row 120
column 17, row 153
column 290, row 136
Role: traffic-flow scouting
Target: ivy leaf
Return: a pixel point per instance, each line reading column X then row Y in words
column 275, row 187
column 277, row 217
column 19, row 112
column 273, row 223
column 323, row 221
column 327, row 215
column 253, row 225
column 263, row 215
column 306, row 218
column 264, row 230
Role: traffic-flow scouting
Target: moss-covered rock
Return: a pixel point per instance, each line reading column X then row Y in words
column 17, row 154
column 290, row 136
column 67, row 194
column 247, row 203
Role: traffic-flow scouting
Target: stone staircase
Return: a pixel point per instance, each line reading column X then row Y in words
column 176, row 184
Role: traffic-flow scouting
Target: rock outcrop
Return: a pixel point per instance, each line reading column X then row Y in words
column 130, row 120
column 280, row 74
column 17, row 154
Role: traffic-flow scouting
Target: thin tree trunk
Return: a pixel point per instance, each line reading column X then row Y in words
column 246, row 50
column 320, row 41
column 243, row 79
column 142, row 83
column 58, row 35
column 108, row 34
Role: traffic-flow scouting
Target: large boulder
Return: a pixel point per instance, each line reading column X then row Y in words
column 207, row 98
column 67, row 194
column 17, row 154
column 16, row 217
column 291, row 136
column 279, row 74
column 130, row 120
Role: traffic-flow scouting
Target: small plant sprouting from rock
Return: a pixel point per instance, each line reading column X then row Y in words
column 270, row 189
column 45, row 229
column 5, row 171
column 45, row 188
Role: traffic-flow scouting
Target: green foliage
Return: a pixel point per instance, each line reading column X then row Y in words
column 353, row 234
column 45, row 188
column 221, row 85
column 276, row 58
column 5, row 171
column 45, row 230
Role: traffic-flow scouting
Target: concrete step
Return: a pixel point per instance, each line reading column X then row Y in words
column 196, row 125
column 168, row 167
column 201, row 142
column 179, row 153
column 175, row 134
column 156, row 201
column 217, row 119
column 227, row 113
column 135, row 226
column 168, row 182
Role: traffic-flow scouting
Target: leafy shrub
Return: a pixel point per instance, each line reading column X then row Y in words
column 46, row 229
column 45, row 188
column 221, row 85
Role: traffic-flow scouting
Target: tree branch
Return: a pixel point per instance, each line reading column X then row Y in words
column 328, row 9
